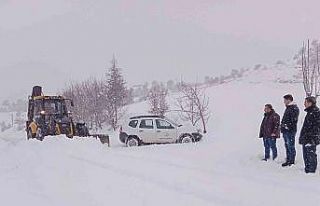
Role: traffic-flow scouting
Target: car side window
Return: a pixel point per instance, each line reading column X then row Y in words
column 133, row 123
column 146, row 124
column 162, row 124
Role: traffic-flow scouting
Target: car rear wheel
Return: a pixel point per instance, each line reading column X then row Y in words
column 133, row 142
column 184, row 139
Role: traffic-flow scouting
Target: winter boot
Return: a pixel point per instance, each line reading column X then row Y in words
column 286, row 164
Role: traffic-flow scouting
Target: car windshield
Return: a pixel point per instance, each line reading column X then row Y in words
column 172, row 122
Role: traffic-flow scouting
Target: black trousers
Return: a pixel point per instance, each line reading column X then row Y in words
column 310, row 158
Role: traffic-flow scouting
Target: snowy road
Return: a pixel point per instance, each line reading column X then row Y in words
column 224, row 169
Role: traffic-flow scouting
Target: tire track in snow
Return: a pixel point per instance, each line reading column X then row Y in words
column 268, row 179
column 210, row 198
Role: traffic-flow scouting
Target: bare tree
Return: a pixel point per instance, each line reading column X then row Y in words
column 194, row 104
column 76, row 92
column 310, row 68
column 97, row 101
column 158, row 99
column 89, row 101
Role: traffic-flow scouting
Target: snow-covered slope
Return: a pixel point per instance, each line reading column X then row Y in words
column 281, row 72
column 224, row 169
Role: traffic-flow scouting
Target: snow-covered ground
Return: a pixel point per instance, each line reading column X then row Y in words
column 224, row 169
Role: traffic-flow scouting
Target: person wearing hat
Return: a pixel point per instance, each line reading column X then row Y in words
column 289, row 129
column 310, row 134
column 270, row 131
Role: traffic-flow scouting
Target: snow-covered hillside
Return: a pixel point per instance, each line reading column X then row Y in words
column 224, row 169
column 281, row 72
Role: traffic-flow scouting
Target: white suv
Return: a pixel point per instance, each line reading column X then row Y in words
column 152, row 129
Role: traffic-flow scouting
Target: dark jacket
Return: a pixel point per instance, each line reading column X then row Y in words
column 270, row 125
column 290, row 119
column 310, row 132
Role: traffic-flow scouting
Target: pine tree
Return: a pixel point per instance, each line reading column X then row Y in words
column 158, row 99
column 116, row 93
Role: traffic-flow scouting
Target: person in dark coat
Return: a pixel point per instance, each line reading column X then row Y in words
column 270, row 131
column 289, row 129
column 310, row 134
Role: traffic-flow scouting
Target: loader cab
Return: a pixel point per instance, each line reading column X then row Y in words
column 51, row 107
column 43, row 106
column 40, row 105
column 48, row 115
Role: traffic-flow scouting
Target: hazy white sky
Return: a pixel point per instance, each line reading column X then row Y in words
column 49, row 42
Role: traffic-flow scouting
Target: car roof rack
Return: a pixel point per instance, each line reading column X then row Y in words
column 147, row 116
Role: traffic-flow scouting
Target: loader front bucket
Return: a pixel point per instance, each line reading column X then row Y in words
column 104, row 139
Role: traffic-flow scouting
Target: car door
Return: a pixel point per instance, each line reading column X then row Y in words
column 166, row 132
column 147, row 131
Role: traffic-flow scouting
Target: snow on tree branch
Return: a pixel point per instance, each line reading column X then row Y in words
column 194, row 104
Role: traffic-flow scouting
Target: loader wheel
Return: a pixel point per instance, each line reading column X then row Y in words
column 186, row 138
column 70, row 136
column 39, row 134
column 132, row 142
column 29, row 134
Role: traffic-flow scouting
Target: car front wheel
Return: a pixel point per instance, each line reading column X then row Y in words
column 186, row 139
column 133, row 142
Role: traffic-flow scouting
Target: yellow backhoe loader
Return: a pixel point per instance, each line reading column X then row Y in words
column 49, row 116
